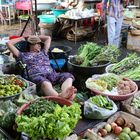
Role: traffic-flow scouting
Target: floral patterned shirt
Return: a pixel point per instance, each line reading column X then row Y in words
column 37, row 63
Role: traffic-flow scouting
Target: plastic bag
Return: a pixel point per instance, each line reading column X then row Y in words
column 7, row 113
column 92, row 111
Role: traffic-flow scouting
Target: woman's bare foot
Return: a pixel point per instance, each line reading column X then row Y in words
column 69, row 93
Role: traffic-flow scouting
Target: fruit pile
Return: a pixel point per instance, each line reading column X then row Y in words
column 124, row 130
column 11, row 85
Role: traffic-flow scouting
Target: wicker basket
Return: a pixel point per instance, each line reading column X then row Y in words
column 135, row 24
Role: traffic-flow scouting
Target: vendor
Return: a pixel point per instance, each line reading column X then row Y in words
column 39, row 68
column 113, row 9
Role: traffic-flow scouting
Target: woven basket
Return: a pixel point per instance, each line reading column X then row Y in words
column 79, row 34
column 135, row 24
column 135, row 32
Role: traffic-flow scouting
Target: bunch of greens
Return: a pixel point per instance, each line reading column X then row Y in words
column 55, row 123
column 102, row 102
column 108, row 53
column 111, row 80
column 7, row 113
column 133, row 74
column 86, row 53
column 90, row 54
column 129, row 62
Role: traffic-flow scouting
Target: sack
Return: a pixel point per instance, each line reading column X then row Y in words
column 91, row 111
column 79, row 34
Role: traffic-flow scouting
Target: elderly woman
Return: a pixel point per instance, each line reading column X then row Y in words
column 114, row 11
column 39, row 68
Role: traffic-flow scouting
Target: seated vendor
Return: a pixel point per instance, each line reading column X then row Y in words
column 39, row 68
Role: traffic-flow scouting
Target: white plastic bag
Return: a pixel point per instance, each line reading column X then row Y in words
column 91, row 111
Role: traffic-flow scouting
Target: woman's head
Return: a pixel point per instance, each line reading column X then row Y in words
column 34, row 43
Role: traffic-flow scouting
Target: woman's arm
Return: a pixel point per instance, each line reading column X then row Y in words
column 11, row 46
column 46, row 40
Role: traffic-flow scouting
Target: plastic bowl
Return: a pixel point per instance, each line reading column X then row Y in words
column 47, row 18
column 60, row 62
column 58, row 12
column 117, row 97
column 107, row 70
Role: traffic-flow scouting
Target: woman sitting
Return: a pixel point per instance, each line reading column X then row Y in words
column 39, row 68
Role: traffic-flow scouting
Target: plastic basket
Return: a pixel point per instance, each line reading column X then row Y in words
column 60, row 62
column 47, row 18
column 58, row 12
column 117, row 97
column 59, row 100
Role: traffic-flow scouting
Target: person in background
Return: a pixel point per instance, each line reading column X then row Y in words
column 39, row 69
column 113, row 9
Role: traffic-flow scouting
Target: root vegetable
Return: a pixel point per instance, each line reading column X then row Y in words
column 120, row 121
column 103, row 132
column 117, row 130
column 108, row 127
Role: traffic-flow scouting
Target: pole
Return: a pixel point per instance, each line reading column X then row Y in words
column 36, row 23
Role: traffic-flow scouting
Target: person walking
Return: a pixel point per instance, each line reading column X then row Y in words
column 113, row 9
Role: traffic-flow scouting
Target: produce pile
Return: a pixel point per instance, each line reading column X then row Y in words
column 91, row 54
column 11, row 85
column 46, row 119
column 111, row 84
column 122, row 129
column 128, row 67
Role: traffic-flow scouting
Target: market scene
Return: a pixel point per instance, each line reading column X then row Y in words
column 69, row 69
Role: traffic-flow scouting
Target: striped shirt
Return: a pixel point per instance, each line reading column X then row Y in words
column 113, row 8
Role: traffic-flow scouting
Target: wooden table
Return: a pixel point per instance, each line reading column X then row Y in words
column 76, row 20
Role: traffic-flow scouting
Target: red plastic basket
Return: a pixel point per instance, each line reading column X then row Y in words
column 13, row 37
column 116, row 97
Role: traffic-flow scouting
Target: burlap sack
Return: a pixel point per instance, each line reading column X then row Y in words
column 133, row 42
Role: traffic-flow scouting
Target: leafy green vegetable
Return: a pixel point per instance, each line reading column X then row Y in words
column 111, row 80
column 87, row 52
column 133, row 74
column 102, row 102
column 108, row 53
column 129, row 62
column 7, row 113
column 53, row 125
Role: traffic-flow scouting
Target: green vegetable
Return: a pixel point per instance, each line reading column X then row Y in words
column 133, row 74
column 108, row 53
column 86, row 53
column 136, row 102
column 55, row 123
column 111, row 80
column 129, row 62
column 7, row 113
column 102, row 102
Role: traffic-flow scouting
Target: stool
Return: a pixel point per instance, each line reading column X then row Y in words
column 8, row 12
